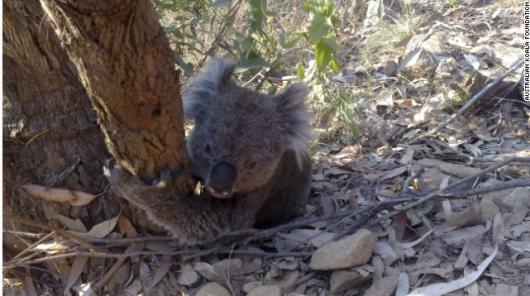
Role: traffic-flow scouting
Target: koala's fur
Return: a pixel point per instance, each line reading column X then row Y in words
column 263, row 137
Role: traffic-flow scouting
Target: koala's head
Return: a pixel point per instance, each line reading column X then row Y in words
column 240, row 135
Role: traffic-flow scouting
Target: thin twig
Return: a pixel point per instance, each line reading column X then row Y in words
column 129, row 240
column 524, row 182
column 29, row 248
column 448, row 188
column 220, row 34
column 81, row 241
column 298, row 223
column 189, row 253
column 24, row 234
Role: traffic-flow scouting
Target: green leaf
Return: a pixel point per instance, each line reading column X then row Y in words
column 186, row 67
column 332, row 43
column 322, row 55
column 334, row 65
column 318, row 29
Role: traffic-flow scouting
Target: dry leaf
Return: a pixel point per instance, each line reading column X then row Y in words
column 74, row 197
column 445, row 288
column 452, row 169
column 119, row 278
column 335, row 171
column 459, row 236
column 403, row 284
column 384, row 286
column 407, row 157
column 393, row 173
column 286, row 280
column 125, row 226
column 163, row 267
column 75, row 271
column 519, row 246
column 386, row 252
column 462, row 260
column 207, row 271
column 71, row 224
column 102, row 229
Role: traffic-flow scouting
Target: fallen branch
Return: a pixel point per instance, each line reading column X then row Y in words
column 487, row 189
column 345, row 215
column 258, row 234
column 475, row 98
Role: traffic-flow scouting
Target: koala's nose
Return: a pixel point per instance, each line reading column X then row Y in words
column 221, row 181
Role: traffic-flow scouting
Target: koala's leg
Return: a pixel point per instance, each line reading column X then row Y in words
column 289, row 191
column 191, row 220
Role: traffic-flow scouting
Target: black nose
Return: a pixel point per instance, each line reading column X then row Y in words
column 222, row 178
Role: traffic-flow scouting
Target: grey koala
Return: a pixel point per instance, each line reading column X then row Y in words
column 248, row 149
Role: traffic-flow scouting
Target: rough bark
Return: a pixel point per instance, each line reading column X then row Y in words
column 125, row 63
column 51, row 136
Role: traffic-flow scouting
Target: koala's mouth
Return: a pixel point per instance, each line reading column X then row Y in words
column 219, row 193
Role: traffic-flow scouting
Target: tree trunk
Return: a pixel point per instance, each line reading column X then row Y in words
column 51, row 136
column 125, row 63
column 122, row 64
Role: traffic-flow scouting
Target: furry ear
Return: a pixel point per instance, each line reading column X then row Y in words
column 206, row 85
column 294, row 117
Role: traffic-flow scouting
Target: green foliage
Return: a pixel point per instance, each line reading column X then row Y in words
column 271, row 40
column 453, row 3
column 321, row 36
column 258, row 39
column 346, row 113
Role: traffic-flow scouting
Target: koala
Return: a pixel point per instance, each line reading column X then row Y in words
column 248, row 149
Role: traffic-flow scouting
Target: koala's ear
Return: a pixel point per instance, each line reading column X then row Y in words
column 206, row 86
column 294, row 116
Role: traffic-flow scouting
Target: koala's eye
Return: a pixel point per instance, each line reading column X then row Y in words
column 251, row 165
column 208, row 149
